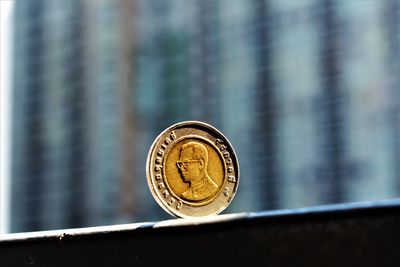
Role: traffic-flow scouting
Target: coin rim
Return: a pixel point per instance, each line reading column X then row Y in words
column 149, row 176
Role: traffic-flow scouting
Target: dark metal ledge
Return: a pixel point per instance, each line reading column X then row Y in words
column 363, row 234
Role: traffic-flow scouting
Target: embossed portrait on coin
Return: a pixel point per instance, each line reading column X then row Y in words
column 192, row 167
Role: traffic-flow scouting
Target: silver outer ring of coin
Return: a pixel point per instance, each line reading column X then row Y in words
column 163, row 195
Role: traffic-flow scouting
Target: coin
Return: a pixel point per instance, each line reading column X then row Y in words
column 192, row 170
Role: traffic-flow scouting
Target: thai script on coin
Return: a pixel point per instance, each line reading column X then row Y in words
column 192, row 170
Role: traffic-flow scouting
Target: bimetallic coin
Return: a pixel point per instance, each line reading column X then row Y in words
column 192, row 170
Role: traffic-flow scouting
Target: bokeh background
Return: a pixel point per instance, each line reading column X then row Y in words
column 306, row 91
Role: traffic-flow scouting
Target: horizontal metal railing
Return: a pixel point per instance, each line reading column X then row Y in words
column 359, row 234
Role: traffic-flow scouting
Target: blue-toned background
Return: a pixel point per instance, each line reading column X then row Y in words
column 306, row 91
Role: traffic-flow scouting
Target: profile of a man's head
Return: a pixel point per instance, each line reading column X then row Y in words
column 193, row 161
column 192, row 166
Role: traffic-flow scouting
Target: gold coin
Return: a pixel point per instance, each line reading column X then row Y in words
column 192, row 170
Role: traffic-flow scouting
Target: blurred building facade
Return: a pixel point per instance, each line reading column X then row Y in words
column 306, row 91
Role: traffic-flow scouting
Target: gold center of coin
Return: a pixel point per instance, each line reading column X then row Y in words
column 194, row 171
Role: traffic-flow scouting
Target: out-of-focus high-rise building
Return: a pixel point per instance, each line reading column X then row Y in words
column 73, row 114
column 306, row 91
column 50, row 130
